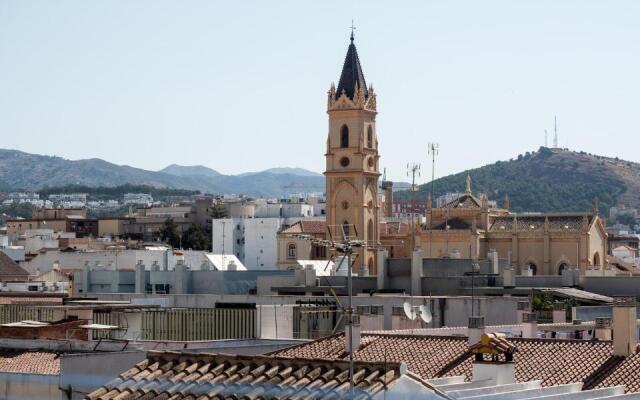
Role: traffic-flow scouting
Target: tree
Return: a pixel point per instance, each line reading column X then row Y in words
column 169, row 233
column 219, row 211
column 195, row 238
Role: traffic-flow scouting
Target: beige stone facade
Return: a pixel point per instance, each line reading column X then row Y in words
column 545, row 242
column 352, row 158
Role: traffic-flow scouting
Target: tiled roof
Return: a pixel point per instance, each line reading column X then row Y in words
column 311, row 227
column 10, row 267
column 464, row 201
column 552, row 361
column 30, row 300
column 29, row 362
column 175, row 375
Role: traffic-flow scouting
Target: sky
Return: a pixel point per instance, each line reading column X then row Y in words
column 241, row 86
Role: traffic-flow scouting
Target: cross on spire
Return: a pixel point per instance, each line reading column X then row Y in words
column 353, row 28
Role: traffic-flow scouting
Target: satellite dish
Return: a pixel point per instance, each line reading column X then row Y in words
column 408, row 311
column 425, row 314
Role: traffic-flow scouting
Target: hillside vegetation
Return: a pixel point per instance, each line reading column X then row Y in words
column 549, row 180
column 24, row 171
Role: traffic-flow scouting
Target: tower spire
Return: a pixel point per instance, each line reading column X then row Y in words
column 351, row 72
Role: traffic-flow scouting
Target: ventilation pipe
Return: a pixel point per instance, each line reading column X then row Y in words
column 603, row 329
column 475, row 329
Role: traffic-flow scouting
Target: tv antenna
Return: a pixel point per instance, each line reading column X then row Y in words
column 555, row 131
column 413, row 169
column 433, row 151
column 347, row 245
column 546, row 138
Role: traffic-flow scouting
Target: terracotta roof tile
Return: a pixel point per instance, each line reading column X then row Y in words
column 311, row 227
column 29, row 362
column 173, row 375
column 554, row 362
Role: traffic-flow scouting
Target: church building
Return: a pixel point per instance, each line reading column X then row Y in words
column 467, row 227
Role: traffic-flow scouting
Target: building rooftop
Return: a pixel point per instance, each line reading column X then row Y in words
column 207, row 376
column 10, row 267
column 551, row 361
column 310, row 227
column 29, row 362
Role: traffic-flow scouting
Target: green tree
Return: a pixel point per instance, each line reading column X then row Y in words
column 169, row 233
column 195, row 238
column 219, row 211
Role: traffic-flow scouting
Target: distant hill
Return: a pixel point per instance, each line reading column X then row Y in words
column 285, row 171
column 549, row 180
column 190, row 170
column 20, row 170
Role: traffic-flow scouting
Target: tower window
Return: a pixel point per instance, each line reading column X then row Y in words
column 292, row 251
column 344, row 136
column 370, row 137
column 345, row 229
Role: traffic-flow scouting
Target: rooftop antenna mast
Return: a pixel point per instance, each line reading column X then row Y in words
column 555, row 131
column 546, row 138
column 433, row 152
column 346, row 246
column 413, row 169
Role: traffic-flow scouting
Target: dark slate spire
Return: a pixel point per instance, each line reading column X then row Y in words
column 351, row 73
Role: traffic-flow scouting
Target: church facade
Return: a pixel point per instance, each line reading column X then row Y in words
column 542, row 243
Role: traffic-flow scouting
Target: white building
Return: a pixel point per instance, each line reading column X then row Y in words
column 137, row 198
column 160, row 258
column 69, row 199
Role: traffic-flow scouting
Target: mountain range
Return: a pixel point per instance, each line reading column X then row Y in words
column 542, row 180
column 24, row 171
column 548, row 180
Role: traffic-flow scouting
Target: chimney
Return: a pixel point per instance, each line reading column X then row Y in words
column 529, row 325
column 603, row 329
column 625, row 331
column 559, row 313
column 493, row 362
column 522, row 307
column 475, row 329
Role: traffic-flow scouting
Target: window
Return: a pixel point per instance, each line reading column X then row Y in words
column 370, row 137
column 345, row 229
column 561, row 268
column 344, row 136
column 292, row 250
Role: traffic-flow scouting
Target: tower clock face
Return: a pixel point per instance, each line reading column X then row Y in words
column 344, row 161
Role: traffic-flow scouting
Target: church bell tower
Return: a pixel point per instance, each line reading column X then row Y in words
column 352, row 161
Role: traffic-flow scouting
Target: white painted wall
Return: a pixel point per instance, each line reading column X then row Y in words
column 260, row 242
column 222, row 230
column 114, row 259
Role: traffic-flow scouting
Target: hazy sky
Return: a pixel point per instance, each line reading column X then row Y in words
column 241, row 85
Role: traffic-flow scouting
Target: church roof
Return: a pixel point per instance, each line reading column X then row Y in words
column 351, row 73
column 465, row 201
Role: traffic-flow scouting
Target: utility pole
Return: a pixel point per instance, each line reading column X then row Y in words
column 413, row 169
